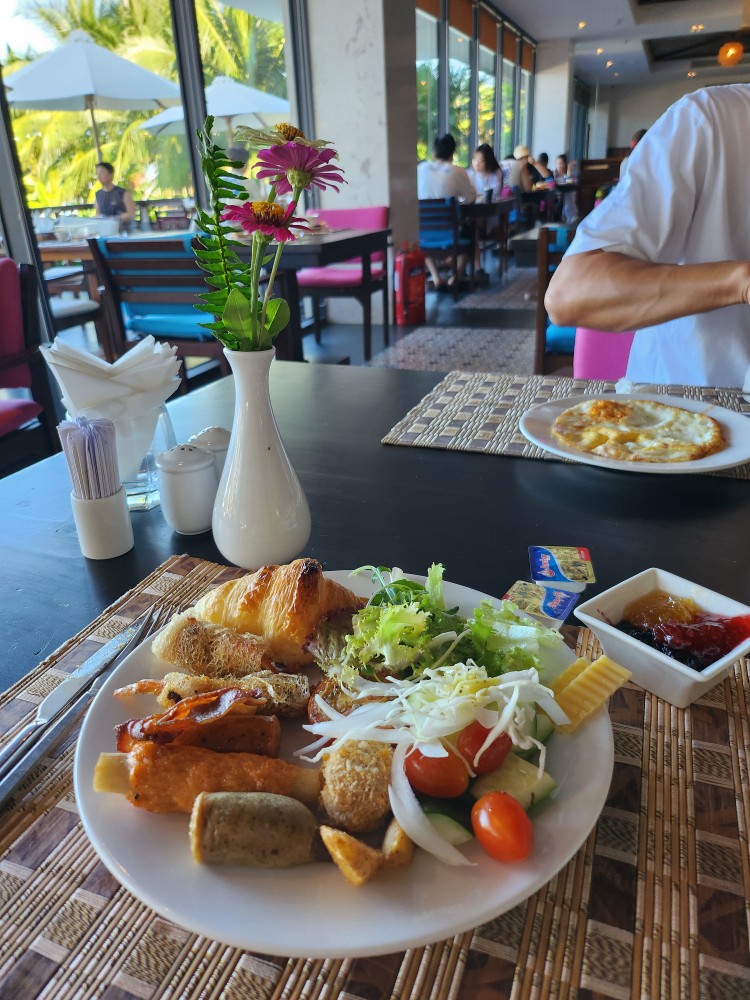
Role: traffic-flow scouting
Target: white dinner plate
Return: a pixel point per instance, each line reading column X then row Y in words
column 536, row 425
column 312, row 910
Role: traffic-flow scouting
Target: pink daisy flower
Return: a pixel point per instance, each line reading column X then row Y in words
column 292, row 165
column 267, row 218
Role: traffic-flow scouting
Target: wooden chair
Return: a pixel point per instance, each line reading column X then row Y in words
column 357, row 278
column 553, row 345
column 440, row 235
column 149, row 286
column 170, row 220
column 593, row 175
column 27, row 425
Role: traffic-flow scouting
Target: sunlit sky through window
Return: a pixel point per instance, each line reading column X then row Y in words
column 18, row 32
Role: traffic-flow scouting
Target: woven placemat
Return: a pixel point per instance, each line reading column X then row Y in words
column 653, row 905
column 469, row 411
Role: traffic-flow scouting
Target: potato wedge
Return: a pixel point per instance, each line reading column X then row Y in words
column 357, row 860
column 398, row 847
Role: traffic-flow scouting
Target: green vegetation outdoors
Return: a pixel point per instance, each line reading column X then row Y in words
column 56, row 148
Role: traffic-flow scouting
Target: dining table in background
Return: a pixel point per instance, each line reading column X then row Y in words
column 315, row 250
column 653, row 904
column 320, row 250
column 490, row 219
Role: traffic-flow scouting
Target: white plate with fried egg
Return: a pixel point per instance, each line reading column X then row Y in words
column 661, row 438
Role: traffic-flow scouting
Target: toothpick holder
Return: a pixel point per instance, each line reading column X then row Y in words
column 104, row 527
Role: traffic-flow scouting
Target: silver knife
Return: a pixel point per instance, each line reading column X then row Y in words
column 66, row 692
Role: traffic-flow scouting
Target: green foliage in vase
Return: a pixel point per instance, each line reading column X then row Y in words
column 231, row 298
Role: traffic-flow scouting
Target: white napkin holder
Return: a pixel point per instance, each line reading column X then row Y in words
column 104, row 527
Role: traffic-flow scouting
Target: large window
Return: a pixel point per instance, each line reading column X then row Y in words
column 483, row 90
column 487, row 82
column 507, row 107
column 459, row 94
column 141, row 131
column 427, row 83
column 524, row 92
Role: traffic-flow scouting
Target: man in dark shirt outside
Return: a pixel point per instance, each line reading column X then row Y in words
column 112, row 200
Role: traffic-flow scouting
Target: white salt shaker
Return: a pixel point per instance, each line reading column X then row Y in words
column 216, row 439
column 187, row 487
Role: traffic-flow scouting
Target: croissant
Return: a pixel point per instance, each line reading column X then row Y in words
column 282, row 604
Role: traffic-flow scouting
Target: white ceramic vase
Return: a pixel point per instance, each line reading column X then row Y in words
column 260, row 515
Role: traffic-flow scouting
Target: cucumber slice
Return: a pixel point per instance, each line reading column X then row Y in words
column 542, row 729
column 455, row 833
column 458, row 809
column 519, row 778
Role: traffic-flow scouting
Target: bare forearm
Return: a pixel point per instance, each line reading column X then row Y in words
column 611, row 291
column 130, row 209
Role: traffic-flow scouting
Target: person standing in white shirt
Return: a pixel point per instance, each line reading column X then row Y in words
column 668, row 252
column 439, row 178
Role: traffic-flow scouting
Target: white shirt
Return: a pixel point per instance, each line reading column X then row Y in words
column 511, row 173
column 438, row 179
column 685, row 200
column 486, row 182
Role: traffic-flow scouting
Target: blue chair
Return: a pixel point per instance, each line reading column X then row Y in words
column 440, row 235
column 149, row 286
column 553, row 345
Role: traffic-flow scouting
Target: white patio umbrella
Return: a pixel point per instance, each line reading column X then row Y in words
column 80, row 75
column 235, row 102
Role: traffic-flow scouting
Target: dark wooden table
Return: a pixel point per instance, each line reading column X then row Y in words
column 372, row 503
column 320, row 250
column 490, row 219
column 653, row 904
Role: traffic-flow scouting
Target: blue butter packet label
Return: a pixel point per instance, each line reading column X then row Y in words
column 567, row 566
column 546, row 602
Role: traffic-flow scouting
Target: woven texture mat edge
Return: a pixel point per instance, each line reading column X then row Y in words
column 653, row 904
column 480, row 412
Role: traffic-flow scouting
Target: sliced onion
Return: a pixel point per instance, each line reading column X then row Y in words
column 409, row 815
column 553, row 710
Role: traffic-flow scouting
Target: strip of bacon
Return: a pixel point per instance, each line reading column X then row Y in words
column 188, row 716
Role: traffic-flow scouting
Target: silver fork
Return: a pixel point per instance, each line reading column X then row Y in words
column 182, row 595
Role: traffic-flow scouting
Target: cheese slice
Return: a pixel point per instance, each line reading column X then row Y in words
column 589, row 689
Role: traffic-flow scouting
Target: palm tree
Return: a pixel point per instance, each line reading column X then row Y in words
column 55, row 148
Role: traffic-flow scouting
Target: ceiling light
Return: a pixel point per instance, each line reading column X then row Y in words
column 599, row 51
column 696, row 27
column 581, row 25
column 691, row 74
column 609, row 63
column 731, row 54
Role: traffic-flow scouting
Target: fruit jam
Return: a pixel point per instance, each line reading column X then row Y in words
column 677, row 627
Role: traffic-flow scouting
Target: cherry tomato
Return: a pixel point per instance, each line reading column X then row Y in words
column 502, row 827
column 471, row 739
column 442, row 777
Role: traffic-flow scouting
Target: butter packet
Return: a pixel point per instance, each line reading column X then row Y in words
column 566, row 567
column 542, row 602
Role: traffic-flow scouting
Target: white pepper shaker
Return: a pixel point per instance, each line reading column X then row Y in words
column 187, row 487
column 216, row 439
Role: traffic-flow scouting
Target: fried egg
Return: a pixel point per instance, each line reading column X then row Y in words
column 638, row 430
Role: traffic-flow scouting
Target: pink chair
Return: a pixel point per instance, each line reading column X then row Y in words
column 601, row 355
column 352, row 280
column 21, row 364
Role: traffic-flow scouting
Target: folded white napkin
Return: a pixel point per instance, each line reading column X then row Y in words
column 128, row 392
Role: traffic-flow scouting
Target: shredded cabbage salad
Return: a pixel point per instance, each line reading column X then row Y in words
column 423, row 672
